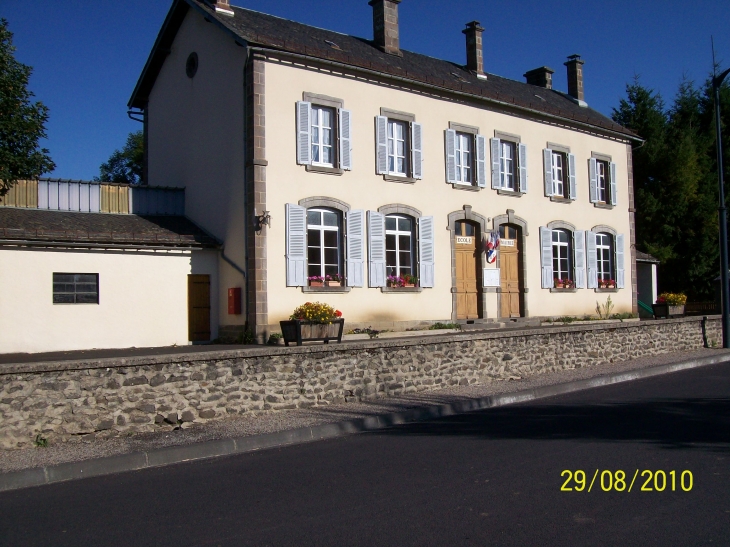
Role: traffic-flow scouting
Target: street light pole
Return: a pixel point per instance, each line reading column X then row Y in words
column 716, row 82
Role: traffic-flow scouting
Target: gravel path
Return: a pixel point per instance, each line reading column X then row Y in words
column 272, row 421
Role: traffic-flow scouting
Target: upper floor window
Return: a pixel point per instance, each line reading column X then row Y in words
column 399, row 240
column 509, row 165
column 603, row 181
column 324, row 130
column 560, row 181
column 323, row 136
column 465, row 156
column 399, row 148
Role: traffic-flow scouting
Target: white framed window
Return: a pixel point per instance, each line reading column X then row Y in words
column 507, row 165
column 558, row 172
column 324, row 242
column 323, row 136
column 604, row 254
column 562, row 254
column 399, row 245
column 399, row 150
column 601, row 181
column 397, row 146
column 463, row 145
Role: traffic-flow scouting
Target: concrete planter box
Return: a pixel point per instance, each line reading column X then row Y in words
column 665, row 310
column 296, row 331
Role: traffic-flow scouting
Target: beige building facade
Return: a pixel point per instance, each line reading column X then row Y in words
column 381, row 181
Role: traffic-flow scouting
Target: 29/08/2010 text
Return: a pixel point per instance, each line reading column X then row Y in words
column 651, row 481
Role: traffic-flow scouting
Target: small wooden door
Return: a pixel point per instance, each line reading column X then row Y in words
column 510, row 272
column 198, row 308
column 468, row 262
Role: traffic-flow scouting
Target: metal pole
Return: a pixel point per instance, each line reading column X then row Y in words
column 716, row 81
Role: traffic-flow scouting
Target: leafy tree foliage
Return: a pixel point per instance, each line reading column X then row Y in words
column 125, row 165
column 675, row 183
column 22, row 123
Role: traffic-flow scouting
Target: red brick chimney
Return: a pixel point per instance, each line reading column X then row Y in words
column 575, row 77
column 222, row 6
column 385, row 25
column 541, row 77
column 474, row 49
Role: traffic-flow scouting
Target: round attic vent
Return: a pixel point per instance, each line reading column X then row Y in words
column 191, row 65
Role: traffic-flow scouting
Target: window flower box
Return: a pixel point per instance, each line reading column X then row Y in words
column 564, row 283
column 669, row 305
column 316, row 281
column 606, row 284
column 334, row 280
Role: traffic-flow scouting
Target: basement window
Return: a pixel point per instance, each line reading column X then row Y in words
column 75, row 288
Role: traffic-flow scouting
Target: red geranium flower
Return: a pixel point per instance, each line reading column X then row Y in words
column 338, row 313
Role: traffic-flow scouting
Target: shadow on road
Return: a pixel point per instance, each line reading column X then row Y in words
column 701, row 423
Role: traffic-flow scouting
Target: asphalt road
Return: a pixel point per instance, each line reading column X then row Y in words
column 487, row 478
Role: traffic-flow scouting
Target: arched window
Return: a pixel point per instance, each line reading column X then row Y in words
column 562, row 254
column 324, row 242
column 399, row 245
column 604, row 256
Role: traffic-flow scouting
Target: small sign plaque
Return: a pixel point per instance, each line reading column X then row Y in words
column 491, row 277
column 464, row 240
column 507, row 242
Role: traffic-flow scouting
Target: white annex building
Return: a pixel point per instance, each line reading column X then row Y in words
column 301, row 164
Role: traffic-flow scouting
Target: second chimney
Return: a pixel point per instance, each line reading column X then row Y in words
column 541, row 77
column 474, row 49
column 575, row 77
column 385, row 25
column 222, row 6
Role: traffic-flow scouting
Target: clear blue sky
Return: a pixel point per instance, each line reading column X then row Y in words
column 87, row 56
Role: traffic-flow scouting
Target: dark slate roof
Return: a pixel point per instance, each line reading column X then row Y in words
column 37, row 225
column 645, row 257
column 260, row 29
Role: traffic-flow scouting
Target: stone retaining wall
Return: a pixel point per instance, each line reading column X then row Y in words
column 106, row 397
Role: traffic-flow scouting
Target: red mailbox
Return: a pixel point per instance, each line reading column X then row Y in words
column 234, row 301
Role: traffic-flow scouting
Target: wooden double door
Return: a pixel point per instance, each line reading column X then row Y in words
column 468, row 253
column 510, row 272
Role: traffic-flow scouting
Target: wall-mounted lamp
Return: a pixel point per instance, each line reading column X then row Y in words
column 259, row 221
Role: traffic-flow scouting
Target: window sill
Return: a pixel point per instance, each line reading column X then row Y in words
column 401, row 289
column 326, row 289
column 605, row 290
column 398, row 178
column 554, row 289
column 467, row 187
column 559, row 199
column 511, row 193
column 601, row 205
column 325, row 170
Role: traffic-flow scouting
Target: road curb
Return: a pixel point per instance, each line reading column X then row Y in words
column 226, row 447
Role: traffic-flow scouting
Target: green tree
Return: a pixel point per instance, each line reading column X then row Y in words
column 125, row 165
column 22, row 122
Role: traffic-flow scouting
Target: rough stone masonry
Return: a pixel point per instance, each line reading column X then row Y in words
column 61, row 400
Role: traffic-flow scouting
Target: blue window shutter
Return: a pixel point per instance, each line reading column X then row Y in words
column 381, row 139
column 620, row 262
column 345, row 117
column 450, row 136
column 546, row 257
column 592, row 259
column 522, row 155
column 417, row 150
column 592, row 171
column 481, row 157
column 296, row 245
column 579, row 249
column 494, row 144
column 376, row 249
column 356, row 248
column 571, row 176
column 613, row 184
column 304, row 133
column 547, row 159
column 426, row 251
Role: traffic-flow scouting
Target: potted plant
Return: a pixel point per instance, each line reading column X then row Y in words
column 409, row 280
column 395, row 281
column 334, row 280
column 558, row 283
column 669, row 305
column 313, row 321
column 316, row 281
column 606, row 284
column 568, row 283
